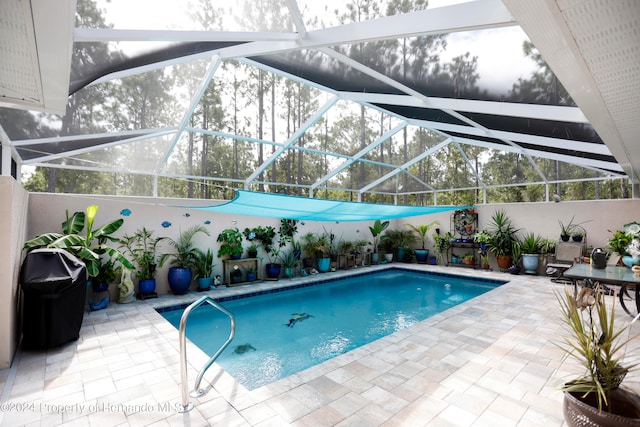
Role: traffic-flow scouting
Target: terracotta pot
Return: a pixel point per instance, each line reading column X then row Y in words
column 579, row 412
column 504, row 261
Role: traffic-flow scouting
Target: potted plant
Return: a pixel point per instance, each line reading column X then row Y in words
column 400, row 241
column 578, row 233
column 530, row 247
column 107, row 274
column 322, row 249
column 565, row 230
column 252, row 274
column 252, row 250
column 376, row 230
column 203, row 268
column 289, row 263
column 596, row 398
column 88, row 247
column 469, row 259
column 273, row 268
column 442, row 245
column 482, row 238
column 516, row 257
column 421, row 234
column 142, row 247
column 309, row 249
column 259, row 235
column 619, row 242
column 231, row 243
column 503, row 238
column 182, row 259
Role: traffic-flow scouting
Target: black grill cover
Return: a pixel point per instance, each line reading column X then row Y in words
column 54, row 285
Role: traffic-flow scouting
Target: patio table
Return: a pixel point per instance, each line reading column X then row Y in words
column 611, row 275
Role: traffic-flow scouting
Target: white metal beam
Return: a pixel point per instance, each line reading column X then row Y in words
column 509, row 109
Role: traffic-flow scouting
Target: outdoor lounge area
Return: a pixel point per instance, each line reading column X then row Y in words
column 251, row 146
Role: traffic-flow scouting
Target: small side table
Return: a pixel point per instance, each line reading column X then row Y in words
column 227, row 266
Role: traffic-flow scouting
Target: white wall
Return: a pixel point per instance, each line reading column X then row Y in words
column 47, row 211
column 13, row 220
column 600, row 217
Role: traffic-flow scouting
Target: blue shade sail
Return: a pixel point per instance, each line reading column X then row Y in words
column 304, row 208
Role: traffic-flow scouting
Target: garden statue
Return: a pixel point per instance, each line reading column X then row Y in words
column 127, row 290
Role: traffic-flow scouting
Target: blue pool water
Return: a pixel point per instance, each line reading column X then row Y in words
column 333, row 317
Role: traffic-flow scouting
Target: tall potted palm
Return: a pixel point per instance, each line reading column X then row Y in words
column 421, row 234
column 182, row 259
column 503, row 238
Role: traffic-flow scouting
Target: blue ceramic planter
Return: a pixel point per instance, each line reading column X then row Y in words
column 422, row 255
column 179, row 280
column 323, row 264
column 147, row 286
column 273, row 270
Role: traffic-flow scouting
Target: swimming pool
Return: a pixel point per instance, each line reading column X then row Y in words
column 281, row 333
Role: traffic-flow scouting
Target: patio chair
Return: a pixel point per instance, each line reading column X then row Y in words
column 567, row 254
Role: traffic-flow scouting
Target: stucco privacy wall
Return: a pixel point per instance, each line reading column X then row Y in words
column 13, row 220
column 47, row 211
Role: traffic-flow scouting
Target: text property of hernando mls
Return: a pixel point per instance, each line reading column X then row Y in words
column 79, row 408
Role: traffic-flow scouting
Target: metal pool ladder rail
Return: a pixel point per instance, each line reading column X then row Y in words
column 197, row 391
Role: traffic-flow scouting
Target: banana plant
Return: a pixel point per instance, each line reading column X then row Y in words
column 88, row 247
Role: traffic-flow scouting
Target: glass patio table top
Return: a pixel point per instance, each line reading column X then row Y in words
column 611, row 275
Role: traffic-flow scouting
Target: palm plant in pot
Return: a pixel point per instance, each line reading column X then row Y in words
column 182, row 259
column 596, row 398
column 421, row 234
column 503, row 238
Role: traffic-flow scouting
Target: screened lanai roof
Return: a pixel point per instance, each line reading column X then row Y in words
column 365, row 97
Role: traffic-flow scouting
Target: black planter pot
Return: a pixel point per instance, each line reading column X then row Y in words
column 580, row 412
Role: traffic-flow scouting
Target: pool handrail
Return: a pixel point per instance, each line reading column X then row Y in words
column 197, row 391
